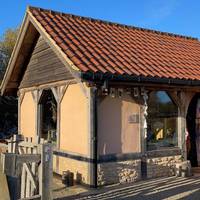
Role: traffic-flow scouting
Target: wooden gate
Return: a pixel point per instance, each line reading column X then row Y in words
column 31, row 162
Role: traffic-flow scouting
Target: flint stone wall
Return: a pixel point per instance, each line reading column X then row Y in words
column 162, row 166
column 119, row 172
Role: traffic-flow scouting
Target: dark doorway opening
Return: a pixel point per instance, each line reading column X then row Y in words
column 48, row 116
column 192, row 128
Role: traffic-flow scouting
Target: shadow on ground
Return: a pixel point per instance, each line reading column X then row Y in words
column 162, row 188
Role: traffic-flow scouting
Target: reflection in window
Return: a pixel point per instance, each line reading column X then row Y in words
column 162, row 121
column 48, row 111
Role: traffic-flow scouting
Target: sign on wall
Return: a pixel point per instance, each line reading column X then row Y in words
column 134, row 118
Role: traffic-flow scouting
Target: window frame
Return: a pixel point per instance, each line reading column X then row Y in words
column 176, row 116
column 40, row 113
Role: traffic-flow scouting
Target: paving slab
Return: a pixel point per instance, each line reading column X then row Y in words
column 60, row 191
column 169, row 188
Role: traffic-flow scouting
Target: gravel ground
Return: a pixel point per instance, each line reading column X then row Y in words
column 171, row 188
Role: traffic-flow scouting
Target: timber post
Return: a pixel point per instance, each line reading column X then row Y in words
column 46, row 171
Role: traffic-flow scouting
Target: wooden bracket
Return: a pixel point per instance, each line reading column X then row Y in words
column 21, row 97
column 55, row 92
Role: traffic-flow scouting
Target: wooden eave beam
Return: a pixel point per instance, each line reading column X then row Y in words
column 15, row 53
column 12, row 85
column 155, row 86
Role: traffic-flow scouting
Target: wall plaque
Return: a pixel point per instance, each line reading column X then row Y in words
column 134, row 118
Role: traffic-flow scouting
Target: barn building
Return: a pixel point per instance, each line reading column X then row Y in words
column 119, row 103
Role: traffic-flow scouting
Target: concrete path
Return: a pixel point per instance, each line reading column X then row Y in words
column 156, row 189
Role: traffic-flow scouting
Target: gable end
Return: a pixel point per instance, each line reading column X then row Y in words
column 44, row 67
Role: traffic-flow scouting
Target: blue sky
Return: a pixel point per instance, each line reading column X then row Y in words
column 177, row 16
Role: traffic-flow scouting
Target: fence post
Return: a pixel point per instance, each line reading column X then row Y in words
column 14, row 182
column 46, row 173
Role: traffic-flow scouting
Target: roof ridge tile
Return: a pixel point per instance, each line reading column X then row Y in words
column 112, row 23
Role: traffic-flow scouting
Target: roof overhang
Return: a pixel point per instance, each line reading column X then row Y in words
column 137, row 80
column 27, row 36
column 29, row 32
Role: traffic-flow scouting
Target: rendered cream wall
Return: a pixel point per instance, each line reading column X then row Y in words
column 74, row 132
column 79, row 168
column 74, row 121
column 73, row 129
column 27, row 120
column 115, row 133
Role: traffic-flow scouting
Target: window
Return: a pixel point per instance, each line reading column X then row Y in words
column 48, row 116
column 162, row 121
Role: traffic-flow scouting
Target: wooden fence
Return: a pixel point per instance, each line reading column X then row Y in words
column 31, row 162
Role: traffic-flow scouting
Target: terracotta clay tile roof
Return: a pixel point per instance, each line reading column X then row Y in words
column 105, row 47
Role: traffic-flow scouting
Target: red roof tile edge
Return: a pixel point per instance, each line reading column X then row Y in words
column 160, row 71
column 113, row 23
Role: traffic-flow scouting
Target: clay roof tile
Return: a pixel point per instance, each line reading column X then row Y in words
column 106, row 47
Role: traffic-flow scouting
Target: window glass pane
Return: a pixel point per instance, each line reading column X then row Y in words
column 162, row 121
column 48, row 111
